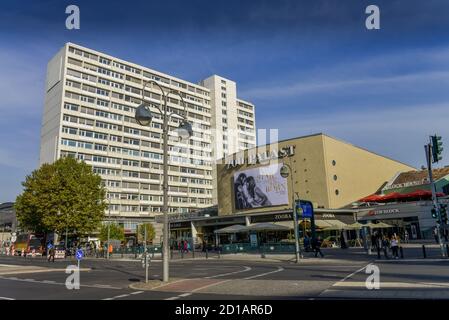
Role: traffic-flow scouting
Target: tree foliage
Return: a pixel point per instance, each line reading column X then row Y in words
column 63, row 194
column 151, row 232
column 116, row 232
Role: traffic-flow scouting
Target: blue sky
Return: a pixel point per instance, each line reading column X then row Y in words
column 309, row 66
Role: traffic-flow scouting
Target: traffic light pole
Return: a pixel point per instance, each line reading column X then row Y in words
column 434, row 198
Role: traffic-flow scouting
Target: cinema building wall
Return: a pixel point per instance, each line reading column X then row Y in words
column 330, row 173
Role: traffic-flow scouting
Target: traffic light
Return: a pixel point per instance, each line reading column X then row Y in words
column 434, row 213
column 443, row 213
column 437, row 148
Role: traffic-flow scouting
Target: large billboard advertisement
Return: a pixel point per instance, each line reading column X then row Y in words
column 260, row 187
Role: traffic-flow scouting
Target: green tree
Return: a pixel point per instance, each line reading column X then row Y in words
column 151, row 232
column 64, row 194
column 116, row 232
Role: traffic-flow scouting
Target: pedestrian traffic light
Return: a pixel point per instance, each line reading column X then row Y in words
column 437, row 148
column 434, row 213
column 443, row 213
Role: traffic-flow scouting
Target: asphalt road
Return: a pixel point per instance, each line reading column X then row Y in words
column 341, row 274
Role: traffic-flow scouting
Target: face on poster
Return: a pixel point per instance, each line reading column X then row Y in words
column 260, row 187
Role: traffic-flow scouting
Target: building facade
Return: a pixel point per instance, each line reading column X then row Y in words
column 330, row 173
column 8, row 221
column 90, row 102
column 233, row 121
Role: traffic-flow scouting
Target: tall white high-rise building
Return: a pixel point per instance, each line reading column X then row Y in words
column 89, row 110
column 232, row 119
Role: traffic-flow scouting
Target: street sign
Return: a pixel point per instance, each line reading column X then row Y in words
column 79, row 254
column 304, row 209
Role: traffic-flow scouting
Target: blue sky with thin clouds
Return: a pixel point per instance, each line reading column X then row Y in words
column 309, row 66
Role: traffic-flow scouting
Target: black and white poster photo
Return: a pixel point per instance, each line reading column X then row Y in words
column 259, row 187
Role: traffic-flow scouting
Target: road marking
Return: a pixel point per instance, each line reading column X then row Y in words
column 361, row 284
column 6, row 298
column 185, row 294
column 137, row 292
column 48, row 281
column 172, row 298
column 60, row 283
column 227, row 274
column 264, row 274
column 352, row 274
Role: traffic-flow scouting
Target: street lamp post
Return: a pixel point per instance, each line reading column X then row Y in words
column 109, row 228
column 143, row 117
column 285, row 173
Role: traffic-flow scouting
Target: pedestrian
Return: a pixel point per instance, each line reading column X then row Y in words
column 51, row 254
column 394, row 247
column 306, row 243
column 435, row 234
column 317, row 246
column 385, row 246
column 342, row 240
column 186, row 247
column 406, row 236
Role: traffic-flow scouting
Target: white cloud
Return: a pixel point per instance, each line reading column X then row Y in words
column 374, row 72
column 398, row 132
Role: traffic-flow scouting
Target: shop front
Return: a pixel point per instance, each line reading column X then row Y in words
column 259, row 229
column 413, row 217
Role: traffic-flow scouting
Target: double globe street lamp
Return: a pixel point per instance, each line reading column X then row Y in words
column 144, row 116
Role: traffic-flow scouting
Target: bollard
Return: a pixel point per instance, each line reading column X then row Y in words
column 402, row 252
column 424, row 251
column 219, row 253
column 378, row 253
column 207, row 254
column 182, row 253
column 447, row 250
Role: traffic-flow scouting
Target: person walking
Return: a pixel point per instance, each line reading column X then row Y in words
column 406, row 236
column 186, row 247
column 317, row 247
column 51, row 253
column 435, row 235
column 385, row 245
column 395, row 247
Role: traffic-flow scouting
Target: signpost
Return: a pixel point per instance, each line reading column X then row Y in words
column 79, row 255
column 304, row 210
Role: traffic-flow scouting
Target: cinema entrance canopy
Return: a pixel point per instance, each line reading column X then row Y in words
column 271, row 226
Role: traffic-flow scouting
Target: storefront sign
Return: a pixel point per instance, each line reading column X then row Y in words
column 272, row 218
column 261, row 157
column 180, row 225
column 384, row 211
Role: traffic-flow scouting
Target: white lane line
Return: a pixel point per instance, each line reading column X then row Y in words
column 185, row 294
column 352, row 274
column 279, row 269
column 229, row 273
column 51, row 282
column 6, row 298
column 172, row 298
column 121, row 296
column 137, row 292
column 362, row 284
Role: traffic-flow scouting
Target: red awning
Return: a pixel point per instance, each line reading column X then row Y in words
column 418, row 194
column 372, row 198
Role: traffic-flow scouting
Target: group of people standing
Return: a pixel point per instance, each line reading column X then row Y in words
column 381, row 242
column 184, row 246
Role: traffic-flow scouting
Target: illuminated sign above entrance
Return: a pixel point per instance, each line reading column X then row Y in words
column 261, row 157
